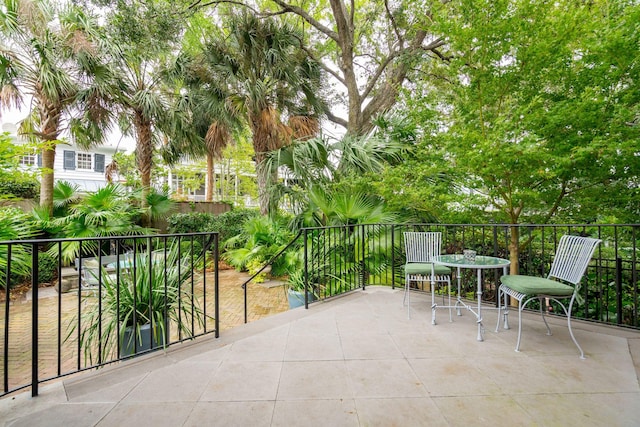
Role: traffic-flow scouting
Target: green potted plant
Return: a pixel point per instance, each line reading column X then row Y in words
column 141, row 300
column 295, row 288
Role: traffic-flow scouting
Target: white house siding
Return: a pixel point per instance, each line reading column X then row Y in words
column 88, row 179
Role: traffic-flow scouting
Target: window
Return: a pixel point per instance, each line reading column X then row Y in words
column 84, row 161
column 29, row 159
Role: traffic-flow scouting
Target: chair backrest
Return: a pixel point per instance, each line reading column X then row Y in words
column 572, row 258
column 422, row 246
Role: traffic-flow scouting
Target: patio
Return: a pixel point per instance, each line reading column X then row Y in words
column 358, row 360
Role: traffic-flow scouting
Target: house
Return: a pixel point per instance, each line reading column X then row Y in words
column 85, row 168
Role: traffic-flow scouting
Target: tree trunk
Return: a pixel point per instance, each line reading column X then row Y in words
column 144, row 157
column 266, row 138
column 514, row 252
column 46, row 177
column 514, row 249
column 263, row 179
column 210, row 181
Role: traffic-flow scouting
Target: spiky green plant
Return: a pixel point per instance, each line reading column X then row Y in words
column 152, row 292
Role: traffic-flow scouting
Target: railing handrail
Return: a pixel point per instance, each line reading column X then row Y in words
column 103, row 238
column 268, row 263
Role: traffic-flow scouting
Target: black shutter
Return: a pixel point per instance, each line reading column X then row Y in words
column 99, row 162
column 69, row 160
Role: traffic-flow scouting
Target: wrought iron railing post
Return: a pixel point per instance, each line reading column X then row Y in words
column 34, row 320
column 619, row 290
column 216, row 286
column 393, row 256
column 306, row 270
column 7, row 299
column 363, row 277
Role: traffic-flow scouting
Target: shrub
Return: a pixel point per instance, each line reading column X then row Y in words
column 228, row 224
column 231, row 223
column 47, row 268
column 189, row 222
column 14, row 225
column 19, row 185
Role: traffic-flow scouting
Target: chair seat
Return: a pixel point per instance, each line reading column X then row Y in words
column 531, row 285
column 424, row 269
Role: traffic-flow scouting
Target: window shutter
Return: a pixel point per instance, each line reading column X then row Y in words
column 39, row 160
column 69, row 160
column 99, row 162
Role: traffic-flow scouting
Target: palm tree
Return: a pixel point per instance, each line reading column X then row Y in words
column 262, row 64
column 140, row 38
column 51, row 56
column 318, row 164
column 209, row 129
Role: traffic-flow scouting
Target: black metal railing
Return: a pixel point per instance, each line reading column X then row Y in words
column 340, row 259
column 129, row 295
column 76, row 330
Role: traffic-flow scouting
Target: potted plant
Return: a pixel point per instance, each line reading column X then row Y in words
column 295, row 287
column 138, row 305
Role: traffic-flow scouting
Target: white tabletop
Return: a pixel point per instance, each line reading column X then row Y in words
column 481, row 261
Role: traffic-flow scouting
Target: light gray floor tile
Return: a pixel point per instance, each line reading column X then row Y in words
column 320, row 324
column 406, row 411
column 317, row 412
column 585, row 410
column 482, row 411
column 64, row 415
column 267, row 346
column 181, row 382
column 157, row 414
column 236, row 381
column 454, row 377
column 369, row 346
column 112, row 393
column 225, row 414
column 425, row 344
column 314, row 380
column 384, row 378
column 313, row 347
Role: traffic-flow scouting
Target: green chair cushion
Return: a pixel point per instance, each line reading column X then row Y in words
column 424, row 268
column 531, row 285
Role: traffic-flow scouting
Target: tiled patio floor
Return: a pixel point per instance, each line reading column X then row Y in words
column 358, row 361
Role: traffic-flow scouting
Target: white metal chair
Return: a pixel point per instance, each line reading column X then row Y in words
column 420, row 248
column 569, row 265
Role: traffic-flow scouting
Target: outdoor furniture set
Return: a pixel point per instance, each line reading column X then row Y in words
column 424, row 263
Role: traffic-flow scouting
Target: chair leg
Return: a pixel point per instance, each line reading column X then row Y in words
column 569, row 326
column 433, row 301
column 502, row 309
column 520, row 308
column 407, row 297
column 540, row 300
column 506, row 311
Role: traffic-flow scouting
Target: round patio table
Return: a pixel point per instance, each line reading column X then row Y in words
column 479, row 263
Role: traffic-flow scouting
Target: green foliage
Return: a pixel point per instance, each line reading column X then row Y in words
column 19, row 185
column 109, row 211
column 228, row 224
column 189, row 222
column 262, row 237
column 15, row 183
column 533, row 116
column 47, row 268
column 15, row 225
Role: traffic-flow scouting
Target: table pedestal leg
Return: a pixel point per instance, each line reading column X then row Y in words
column 479, row 321
column 459, row 299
